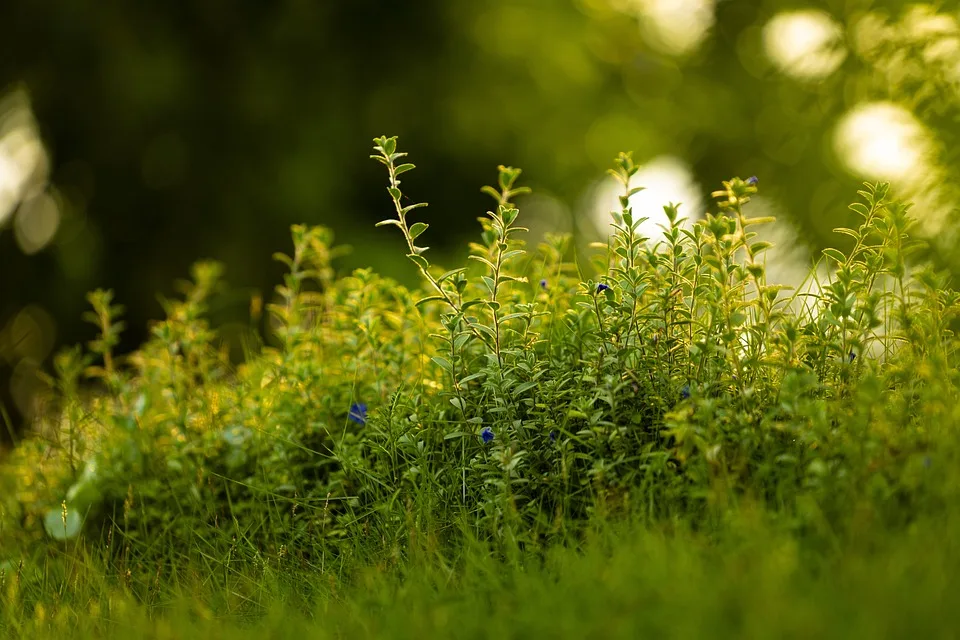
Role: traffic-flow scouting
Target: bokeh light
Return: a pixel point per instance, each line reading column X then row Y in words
column 666, row 180
column 675, row 27
column 805, row 44
column 883, row 140
column 24, row 167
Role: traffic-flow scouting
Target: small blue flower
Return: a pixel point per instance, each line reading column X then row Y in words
column 358, row 413
column 752, row 181
column 685, row 392
column 543, row 283
column 486, row 434
column 553, row 437
column 602, row 287
column 852, row 355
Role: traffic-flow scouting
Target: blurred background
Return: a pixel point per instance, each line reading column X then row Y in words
column 136, row 138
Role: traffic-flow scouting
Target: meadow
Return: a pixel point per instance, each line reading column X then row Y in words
column 646, row 438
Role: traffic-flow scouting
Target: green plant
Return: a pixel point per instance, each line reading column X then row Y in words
column 515, row 403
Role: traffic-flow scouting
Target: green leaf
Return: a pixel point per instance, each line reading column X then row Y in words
column 443, row 363
column 490, row 191
column 834, row 254
column 847, row 232
column 762, row 220
column 483, row 260
column 417, row 229
column 450, row 274
column 403, row 168
column 384, row 223
column 471, row 303
column 407, row 209
column 423, row 301
column 420, row 261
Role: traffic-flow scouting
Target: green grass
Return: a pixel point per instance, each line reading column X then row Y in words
column 626, row 582
column 652, row 440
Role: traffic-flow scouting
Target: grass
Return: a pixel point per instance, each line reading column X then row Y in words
column 655, row 441
column 626, row 582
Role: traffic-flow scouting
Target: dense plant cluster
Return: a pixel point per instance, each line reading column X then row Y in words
column 513, row 399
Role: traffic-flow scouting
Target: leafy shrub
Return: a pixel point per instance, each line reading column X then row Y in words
column 512, row 400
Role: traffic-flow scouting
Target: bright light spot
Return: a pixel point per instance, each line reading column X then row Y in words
column 807, row 45
column 36, row 223
column 21, row 154
column 882, row 140
column 666, row 180
column 676, row 27
column 23, row 161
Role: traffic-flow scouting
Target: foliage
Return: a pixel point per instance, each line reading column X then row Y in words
column 514, row 405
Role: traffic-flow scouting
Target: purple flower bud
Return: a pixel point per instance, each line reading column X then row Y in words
column 685, row 392
column 543, row 283
column 752, row 181
column 358, row 413
column 602, row 287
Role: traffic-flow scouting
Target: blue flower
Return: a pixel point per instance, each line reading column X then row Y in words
column 752, row 181
column 543, row 283
column 852, row 355
column 602, row 287
column 685, row 392
column 553, row 437
column 486, row 434
column 358, row 413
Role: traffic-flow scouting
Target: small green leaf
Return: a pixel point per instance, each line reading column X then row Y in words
column 847, row 232
column 407, row 209
column 471, row 303
column 443, row 363
column 403, row 168
column 483, row 260
column 417, row 229
column 384, row 223
column 450, row 274
column 834, row 254
column 423, row 301
column 419, row 260
column 762, row 220
column 490, row 191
